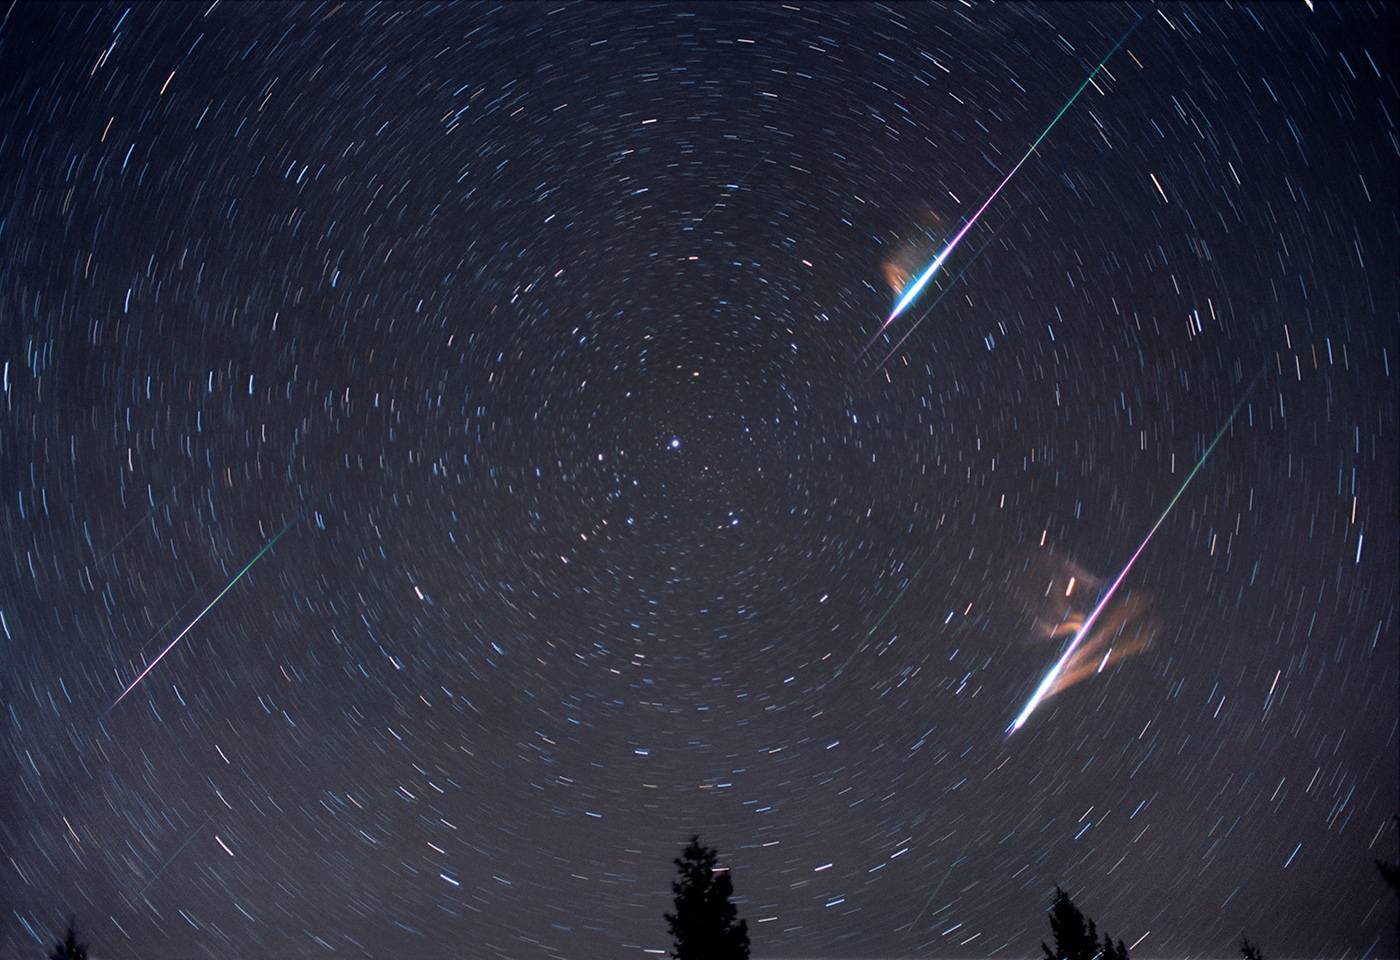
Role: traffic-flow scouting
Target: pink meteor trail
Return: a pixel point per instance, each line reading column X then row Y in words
column 181, row 635
column 918, row 285
column 1048, row 682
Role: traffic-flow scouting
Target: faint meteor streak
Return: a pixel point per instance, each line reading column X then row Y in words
column 1048, row 682
column 181, row 635
column 170, row 859
column 893, row 603
column 918, row 285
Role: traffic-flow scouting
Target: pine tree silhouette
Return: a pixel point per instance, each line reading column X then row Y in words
column 1390, row 873
column 1112, row 951
column 1075, row 935
column 70, row 948
column 704, row 925
column 1249, row 951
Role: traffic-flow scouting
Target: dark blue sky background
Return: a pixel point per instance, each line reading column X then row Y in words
column 439, row 286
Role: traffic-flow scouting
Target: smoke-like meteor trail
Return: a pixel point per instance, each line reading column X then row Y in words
column 181, row 635
column 931, row 307
column 1048, row 682
column 918, row 285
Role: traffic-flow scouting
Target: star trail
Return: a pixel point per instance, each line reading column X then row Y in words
column 537, row 331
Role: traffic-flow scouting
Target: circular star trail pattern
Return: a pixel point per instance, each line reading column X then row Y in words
column 541, row 327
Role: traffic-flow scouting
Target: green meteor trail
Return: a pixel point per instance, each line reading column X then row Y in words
column 181, row 635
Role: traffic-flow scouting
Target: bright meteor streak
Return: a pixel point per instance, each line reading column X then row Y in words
column 181, row 635
column 918, row 285
column 1048, row 682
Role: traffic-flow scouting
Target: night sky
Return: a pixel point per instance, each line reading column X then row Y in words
column 466, row 415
